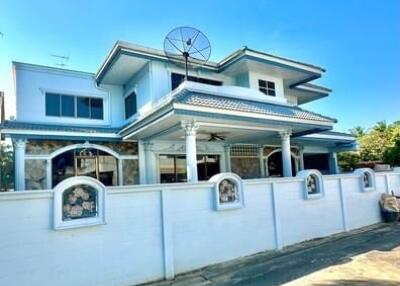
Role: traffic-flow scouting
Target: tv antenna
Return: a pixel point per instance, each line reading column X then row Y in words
column 188, row 46
column 61, row 60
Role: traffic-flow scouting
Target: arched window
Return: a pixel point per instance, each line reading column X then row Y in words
column 89, row 162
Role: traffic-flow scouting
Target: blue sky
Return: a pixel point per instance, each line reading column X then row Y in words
column 358, row 42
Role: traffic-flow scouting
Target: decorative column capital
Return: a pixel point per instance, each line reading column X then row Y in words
column 19, row 143
column 190, row 127
column 285, row 134
column 148, row 146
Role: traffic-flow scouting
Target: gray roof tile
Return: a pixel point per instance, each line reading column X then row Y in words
column 242, row 105
column 13, row 124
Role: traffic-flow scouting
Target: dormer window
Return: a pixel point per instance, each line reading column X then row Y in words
column 130, row 105
column 266, row 87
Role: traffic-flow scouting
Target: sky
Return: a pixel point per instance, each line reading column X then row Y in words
column 358, row 42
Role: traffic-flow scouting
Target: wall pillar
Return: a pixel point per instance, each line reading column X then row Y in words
column 150, row 163
column 333, row 163
column 142, row 162
column 19, row 164
column 286, row 153
column 190, row 129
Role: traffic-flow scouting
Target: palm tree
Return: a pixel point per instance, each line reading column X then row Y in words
column 358, row 131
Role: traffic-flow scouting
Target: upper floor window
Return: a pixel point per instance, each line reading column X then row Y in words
column 177, row 79
column 130, row 105
column 266, row 87
column 74, row 106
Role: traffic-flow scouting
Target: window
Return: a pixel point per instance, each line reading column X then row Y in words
column 86, row 162
column 177, row 79
column 83, row 107
column 74, row 106
column 266, row 87
column 52, row 104
column 130, row 105
column 67, row 105
column 173, row 167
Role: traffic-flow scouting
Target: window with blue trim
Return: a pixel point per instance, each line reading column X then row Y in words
column 74, row 106
column 130, row 105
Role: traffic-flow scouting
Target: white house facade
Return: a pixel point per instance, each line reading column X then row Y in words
column 137, row 121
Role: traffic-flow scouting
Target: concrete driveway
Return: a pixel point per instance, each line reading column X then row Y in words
column 367, row 256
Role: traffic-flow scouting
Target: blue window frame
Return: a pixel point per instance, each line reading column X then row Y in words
column 74, row 106
column 130, row 105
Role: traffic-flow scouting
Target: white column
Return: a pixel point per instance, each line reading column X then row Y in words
column 286, row 154
column 19, row 164
column 262, row 166
column 49, row 175
column 150, row 163
column 190, row 129
column 142, row 162
column 301, row 158
column 334, row 167
column 227, row 153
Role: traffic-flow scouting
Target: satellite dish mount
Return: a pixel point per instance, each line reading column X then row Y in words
column 187, row 46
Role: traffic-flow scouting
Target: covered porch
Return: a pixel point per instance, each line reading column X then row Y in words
column 196, row 133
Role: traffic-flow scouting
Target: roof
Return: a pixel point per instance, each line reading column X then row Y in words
column 234, row 104
column 122, row 46
column 13, row 124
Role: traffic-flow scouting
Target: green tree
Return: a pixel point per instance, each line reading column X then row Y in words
column 6, row 167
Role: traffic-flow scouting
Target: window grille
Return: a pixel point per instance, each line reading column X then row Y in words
column 245, row 151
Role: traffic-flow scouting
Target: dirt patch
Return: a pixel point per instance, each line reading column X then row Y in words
column 374, row 268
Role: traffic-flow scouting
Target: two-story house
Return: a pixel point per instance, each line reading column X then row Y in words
column 137, row 120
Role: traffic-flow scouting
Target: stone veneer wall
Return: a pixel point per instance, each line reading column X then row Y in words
column 45, row 147
column 130, row 170
column 35, row 174
column 35, row 169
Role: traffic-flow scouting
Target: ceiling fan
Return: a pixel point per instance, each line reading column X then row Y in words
column 216, row 137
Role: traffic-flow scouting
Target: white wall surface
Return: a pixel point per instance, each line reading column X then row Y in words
column 156, row 231
column 32, row 82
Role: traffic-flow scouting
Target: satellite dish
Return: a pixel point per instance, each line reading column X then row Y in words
column 187, row 46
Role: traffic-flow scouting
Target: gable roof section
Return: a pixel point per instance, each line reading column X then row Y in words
column 121, row 47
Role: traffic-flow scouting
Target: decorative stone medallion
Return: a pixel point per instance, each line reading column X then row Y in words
column 79, row 202
column 367, row 179
column 313, row 184
column 228, row 191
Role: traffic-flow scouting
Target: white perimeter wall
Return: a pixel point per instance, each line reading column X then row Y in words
column 156, row 231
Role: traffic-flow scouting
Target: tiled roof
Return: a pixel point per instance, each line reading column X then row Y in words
column 12, row 124
column 242, row 105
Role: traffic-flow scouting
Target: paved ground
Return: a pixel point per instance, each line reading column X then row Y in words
column 367, row 256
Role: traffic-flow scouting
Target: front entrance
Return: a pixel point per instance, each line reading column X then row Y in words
column 173, row 167
column 273, row 165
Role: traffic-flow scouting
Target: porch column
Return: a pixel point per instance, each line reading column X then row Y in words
column 227, row 154
column 301, row 158
column 150, row 163
column 19, row 164
column 333, row 163
column 190, row 129
column 286, row 156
